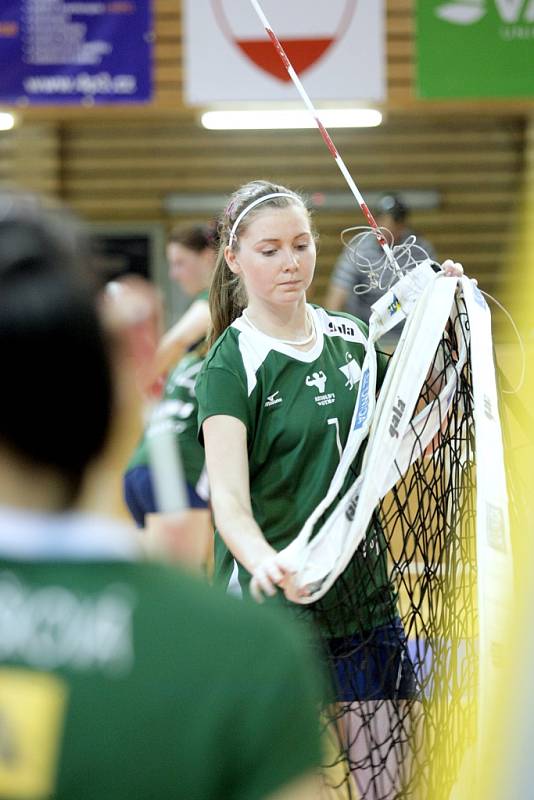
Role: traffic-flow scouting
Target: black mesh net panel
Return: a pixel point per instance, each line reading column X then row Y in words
column 398, row 628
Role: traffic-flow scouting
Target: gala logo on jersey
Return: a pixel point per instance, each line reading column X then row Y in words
column 306, row 31
column 342, row 327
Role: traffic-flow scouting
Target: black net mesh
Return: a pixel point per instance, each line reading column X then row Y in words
column 398, row 626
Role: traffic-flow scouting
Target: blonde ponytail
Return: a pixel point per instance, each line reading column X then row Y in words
column 227, row 297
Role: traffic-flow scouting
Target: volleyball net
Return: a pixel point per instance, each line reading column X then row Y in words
column 404, row 567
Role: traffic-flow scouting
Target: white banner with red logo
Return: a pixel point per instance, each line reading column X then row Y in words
column 336, row 46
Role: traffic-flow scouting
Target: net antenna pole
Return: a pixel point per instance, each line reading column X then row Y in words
column 327, row 139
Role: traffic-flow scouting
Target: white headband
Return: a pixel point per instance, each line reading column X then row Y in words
column 251, row 206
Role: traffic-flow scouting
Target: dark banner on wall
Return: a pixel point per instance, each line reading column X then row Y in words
column 82, row 51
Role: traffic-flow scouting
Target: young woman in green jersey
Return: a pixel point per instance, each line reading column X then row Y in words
column 185, row 535
column 191, row 252
column 276, row 396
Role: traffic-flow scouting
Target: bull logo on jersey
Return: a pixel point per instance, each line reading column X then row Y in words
column 318, row 379
column 351, row 370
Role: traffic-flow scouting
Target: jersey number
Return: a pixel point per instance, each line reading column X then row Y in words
column 335, row 421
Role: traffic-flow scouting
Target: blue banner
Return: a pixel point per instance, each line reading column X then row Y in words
column 75, row 51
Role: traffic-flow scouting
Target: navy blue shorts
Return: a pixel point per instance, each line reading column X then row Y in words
column 139, row 494
column 374, row 666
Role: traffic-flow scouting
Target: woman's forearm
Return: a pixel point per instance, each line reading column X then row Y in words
column 240, row 532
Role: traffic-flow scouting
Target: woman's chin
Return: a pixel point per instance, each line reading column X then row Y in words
column 291, row 291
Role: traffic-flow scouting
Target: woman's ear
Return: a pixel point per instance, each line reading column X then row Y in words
column 231, row 260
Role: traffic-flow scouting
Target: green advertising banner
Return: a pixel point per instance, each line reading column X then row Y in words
column 475, row 48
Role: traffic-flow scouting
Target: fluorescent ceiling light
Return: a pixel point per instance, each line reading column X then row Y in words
column 7, row 121
column 287, row 118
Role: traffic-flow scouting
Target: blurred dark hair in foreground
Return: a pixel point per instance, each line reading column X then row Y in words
column 56, row 398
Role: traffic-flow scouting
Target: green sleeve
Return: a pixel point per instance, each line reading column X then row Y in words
column 221, row 391
column 279, row 738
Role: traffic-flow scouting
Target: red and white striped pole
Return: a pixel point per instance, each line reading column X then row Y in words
column 326, row 137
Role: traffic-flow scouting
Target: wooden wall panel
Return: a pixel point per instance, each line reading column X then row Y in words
column 115, row 172
column 30, row 158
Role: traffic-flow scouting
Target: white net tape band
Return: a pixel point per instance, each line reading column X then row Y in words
column 319, row 561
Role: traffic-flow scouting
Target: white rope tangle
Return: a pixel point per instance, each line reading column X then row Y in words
column 376, row 272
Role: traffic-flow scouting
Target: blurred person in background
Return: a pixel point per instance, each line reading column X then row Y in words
column 188, row 533
column 392, row 214
column 191, row 253
column 118, row 678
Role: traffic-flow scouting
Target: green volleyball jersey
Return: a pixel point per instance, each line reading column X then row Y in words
column 129, row 680
column 179, row 406
column 297, row 408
